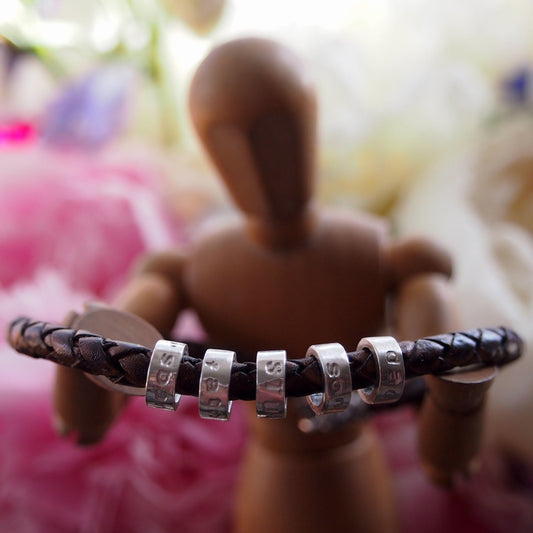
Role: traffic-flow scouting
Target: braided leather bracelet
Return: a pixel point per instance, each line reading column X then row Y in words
column 127, row 363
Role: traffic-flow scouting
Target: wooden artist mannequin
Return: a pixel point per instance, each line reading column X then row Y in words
column 285, row 276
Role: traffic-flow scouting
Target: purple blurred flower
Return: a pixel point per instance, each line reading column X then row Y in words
column 517, row 86
column 92, row 110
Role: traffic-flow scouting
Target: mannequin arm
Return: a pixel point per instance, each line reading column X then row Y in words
column 450, row 421
column 154, row 294
column 424, row 305
column 417, row 274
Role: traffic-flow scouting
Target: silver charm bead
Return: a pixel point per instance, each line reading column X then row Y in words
column 215, row 378
column 163, row 374
column 390, row 369
column 337, row 378
column 271, row 401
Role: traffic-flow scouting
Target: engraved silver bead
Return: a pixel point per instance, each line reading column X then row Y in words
column 390, row 370
column 271, row 401
column 337, row 378
column 213, row 395
column 163, row 373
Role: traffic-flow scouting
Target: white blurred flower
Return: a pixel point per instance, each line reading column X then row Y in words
column 481, row 207
column 399, row 83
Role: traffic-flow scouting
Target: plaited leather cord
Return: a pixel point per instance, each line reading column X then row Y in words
column 127, row 363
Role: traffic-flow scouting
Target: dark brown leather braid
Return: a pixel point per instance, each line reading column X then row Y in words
column 127, row 363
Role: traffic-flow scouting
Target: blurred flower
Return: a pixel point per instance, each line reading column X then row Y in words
column 480, row 206
column 517, row 86
column 26, row 86
column 400, row 84
column 382, row 120
column 83, row 216
column 123, row 37
column 91, row 110
column 151, row 473
column 17, row 133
